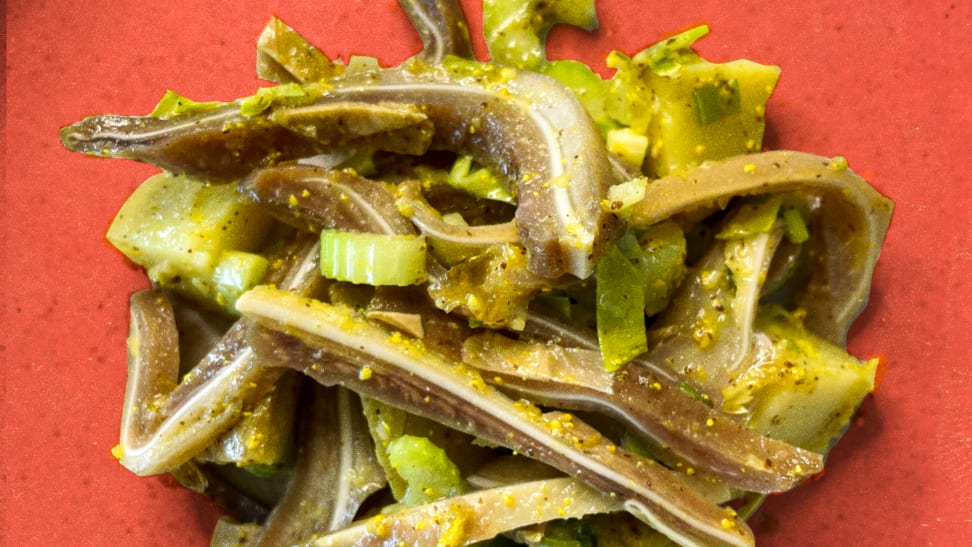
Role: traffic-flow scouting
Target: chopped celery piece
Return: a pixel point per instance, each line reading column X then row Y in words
column 628, row 145
column 172, row 104
column 283, row 55
column 267, row 96
column 387, row 423
column 795, row 226
column 756, row 217
column 426, row 468
column 590, row 89
column 193, row 237
column 667, row 56
column 478, row 181
column 806, row 393
column 629, row 99
column 725, row 119
column 362, row 63
column 515, row 31
column 236, row 273
column 373, row 259
column 620, row 308
column 662, row 262
column 622, row 196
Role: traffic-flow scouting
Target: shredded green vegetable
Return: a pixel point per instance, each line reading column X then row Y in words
column 620, row 307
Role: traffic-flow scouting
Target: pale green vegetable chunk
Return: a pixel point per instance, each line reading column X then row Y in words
column 515, row 32
column 373, row 259
column 805, row 390
column 427, row 469
column 620, row 307
column 662, row 260
column 725, row 118
column 690, row 109
column 193, row 237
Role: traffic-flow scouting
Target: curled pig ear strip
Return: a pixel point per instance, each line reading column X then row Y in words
column 442, row 27
column 165, row 421
column 709, row 325
column 335, row 470
column 314, row 198
column 477, row 516
column 328, row 343
column 525, row 125
column 649, row 404
column 851, row 222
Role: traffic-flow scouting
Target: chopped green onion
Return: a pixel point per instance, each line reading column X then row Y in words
column 628, row 145
column 751, row 219
column 620, row 309
column 373, row 259
column 172, row 104
column 662, row 262
column 479, row 182
column 665, row 57
column 266, row 96
column 716, row 99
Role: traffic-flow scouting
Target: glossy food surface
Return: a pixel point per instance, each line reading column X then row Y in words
column 885, row 85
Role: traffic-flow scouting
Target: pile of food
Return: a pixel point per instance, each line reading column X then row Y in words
column 455, row 301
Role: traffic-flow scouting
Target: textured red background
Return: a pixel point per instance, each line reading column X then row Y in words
column 886, row 84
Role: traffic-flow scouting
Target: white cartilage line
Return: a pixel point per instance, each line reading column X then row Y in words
column 308, row 266
column 364, row 205
column 319, row 323
column 676, row 535
column 180, row 423
column 131, row 408
column 579, row 340
column 488, row 234
column 346, row 460
column 431, row 25
column 583, row 496
column 556, row 161
column 162, row 130
column 760, row 256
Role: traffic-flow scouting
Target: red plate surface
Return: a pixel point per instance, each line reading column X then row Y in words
column 885, row 84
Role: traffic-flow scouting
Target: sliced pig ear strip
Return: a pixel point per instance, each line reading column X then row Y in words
column 334, row 344
column 442, row 27
column 525, row 125
column 851, row 222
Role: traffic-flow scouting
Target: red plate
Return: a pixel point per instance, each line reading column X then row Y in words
column 885, row 84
